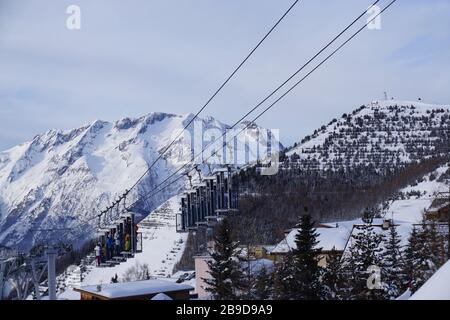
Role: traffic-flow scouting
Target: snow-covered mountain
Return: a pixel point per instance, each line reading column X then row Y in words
column 381, row 133
column 62, row 179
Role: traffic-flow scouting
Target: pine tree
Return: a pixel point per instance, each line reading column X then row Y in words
column 423, row 255
column 263, row 286
column 333, row 278
column 435, row 247
column 307, row 273
column 223, row 268
column 247, row 278
column 392, row 264
column 349, row 271
column 413, row 262
column 364, row 253
column 283, row 278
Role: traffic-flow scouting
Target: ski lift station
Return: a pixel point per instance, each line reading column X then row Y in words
column 207, row 202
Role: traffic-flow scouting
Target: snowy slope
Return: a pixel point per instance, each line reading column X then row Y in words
column 381, row 133
column 405, row 211
column 437, row 287
column 411, row 210
column 61, row 179
column 162, row 248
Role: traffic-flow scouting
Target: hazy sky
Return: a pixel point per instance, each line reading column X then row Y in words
column 134, row 57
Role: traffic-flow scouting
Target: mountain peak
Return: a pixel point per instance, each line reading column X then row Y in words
column 380, row 133
column 407, row 103
column 62, row 178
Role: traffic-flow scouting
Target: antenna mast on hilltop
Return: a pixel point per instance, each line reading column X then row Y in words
column 385, row 96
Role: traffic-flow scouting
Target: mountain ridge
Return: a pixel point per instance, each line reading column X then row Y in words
column 365, row 135
column 61, row 178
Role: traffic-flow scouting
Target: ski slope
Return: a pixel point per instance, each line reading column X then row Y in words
column 404, row 213
column 411, row 210
column 162, row 248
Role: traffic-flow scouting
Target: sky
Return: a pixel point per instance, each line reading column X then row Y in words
column 134, row 57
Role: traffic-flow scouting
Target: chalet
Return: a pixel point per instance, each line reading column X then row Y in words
column 137, row 290
column 441, row 213
column 257, row 251
column 380, row 227
column 331, row 237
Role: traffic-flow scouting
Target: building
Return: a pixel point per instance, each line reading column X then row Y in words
column 257, row 251
column 201, row 273
column 137, row 290
column 330, row 237
column 440, row 214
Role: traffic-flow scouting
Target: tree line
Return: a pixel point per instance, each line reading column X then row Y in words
column 375, row 266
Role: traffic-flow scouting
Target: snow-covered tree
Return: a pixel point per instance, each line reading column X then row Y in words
column 414, row 264
column 246, row 279
column 392, row 264
column 263, row 285
column 224, row 267
column 307, row 273
column 283, row 278
column 364, row 253
column 423, row 256
column 140, row 271
column 434, row 246
column 333, row 278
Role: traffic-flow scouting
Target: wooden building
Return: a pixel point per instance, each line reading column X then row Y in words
column 439, row 214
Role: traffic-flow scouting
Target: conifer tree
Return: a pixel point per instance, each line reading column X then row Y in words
column 349, row 271
column 414, row 263
column 246, row 278
column 263, row 287
column 434, row 246
column 364, row 253
column 307, row 273
column 223, row 267
column 392, row 264
column 423, row 255
column 333, row 278
column 283, row 279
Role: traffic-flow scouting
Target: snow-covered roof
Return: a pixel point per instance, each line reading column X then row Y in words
column 403, row 229
column 161, row 296
column 136, row 288
column 269, row 248
column 437, row 287
column 328, row 238
column 258, row 264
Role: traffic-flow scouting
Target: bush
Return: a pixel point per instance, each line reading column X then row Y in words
column 137, row 272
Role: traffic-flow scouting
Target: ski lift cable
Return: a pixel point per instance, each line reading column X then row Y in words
column 278, row 99
column 214, row 94
column 277, row 89
column 241, row 64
